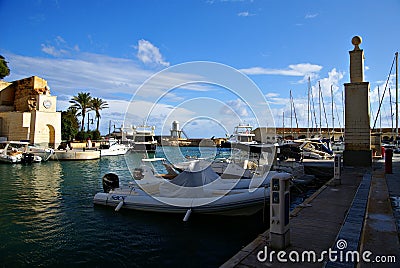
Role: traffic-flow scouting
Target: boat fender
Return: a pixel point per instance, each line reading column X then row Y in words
column 120, row 204
column 110, row 182
column 187, row 215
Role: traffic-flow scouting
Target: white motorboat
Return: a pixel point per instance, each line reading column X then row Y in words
column 112, row 148
column 197, row 190
column 17, row 152
column 44, row 153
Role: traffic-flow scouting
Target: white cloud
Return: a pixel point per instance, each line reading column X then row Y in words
column 271, row 95
column 245, row 14
column 311, row 16
column 150, row 54
column 235, row 107
column 53, row 51
column 107, row 76
column 58, row 47
column 300, row 101
column 300, row 69
column 305, row 70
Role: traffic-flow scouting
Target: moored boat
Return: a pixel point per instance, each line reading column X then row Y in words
column 195, row 190
column 113, row 148
column 17, row 152
column 143, row 139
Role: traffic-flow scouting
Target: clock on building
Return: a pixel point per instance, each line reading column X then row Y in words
column 47, row 104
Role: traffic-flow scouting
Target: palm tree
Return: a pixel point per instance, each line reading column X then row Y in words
column 69, row 123
column 97, row 105
column 82, row 102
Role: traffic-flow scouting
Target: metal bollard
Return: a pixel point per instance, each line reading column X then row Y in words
column 280, row 209
column 388, row 161
column 337, row 169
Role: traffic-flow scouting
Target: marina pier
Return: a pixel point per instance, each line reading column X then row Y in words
column 351, row 221
column 364, row 211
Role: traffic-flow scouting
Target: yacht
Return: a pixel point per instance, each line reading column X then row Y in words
column 143, row 139
column 242, row 135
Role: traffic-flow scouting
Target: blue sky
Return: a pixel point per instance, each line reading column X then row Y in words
column 109, row 48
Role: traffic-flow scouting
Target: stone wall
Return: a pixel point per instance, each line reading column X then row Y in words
column 15, row 125
column 6, row 94
column 26, row 91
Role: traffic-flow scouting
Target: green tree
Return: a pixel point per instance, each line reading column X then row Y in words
column 97, row 105
column 82, row 102
column 69, row 123
column 4, row 70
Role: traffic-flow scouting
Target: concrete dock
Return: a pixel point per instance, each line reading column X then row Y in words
column 361, row 215
column 75, row 154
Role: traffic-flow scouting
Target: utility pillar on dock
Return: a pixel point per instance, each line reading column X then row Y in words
column 357, row 115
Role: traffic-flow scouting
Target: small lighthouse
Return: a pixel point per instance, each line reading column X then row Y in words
column 175, row 131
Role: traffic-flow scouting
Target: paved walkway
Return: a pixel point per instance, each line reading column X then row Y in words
column 358, row 211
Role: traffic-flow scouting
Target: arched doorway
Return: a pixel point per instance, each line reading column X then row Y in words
column 52, row 136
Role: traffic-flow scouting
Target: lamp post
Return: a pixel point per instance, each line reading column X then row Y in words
column 89, row 120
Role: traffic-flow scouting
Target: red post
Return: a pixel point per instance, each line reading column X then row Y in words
column 383, row 151
column 388, row 161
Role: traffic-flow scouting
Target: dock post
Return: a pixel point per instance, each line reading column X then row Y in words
column 337, row 169
column 388, row 161
column 280, row 209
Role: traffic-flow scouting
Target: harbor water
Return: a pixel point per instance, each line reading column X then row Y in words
column 47, row 218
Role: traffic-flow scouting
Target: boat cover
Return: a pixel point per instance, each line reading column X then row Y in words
column 190, row 183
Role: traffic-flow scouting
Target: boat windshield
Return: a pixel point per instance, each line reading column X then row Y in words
column 245, row 139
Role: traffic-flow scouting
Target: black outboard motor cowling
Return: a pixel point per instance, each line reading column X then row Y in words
column 110, row 182
column 27, row 158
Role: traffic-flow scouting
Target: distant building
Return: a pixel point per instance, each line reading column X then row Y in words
column 28, row 112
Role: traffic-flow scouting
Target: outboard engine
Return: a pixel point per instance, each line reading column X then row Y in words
column 110, row 182
column 27, row 158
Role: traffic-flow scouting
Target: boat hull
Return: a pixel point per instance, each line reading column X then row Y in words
column 242, row 203
column 115, row 152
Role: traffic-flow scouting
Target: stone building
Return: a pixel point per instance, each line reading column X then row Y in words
column 28, row 112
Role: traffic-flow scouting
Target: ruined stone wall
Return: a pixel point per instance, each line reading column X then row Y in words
column 6, row 94
column 26, row 91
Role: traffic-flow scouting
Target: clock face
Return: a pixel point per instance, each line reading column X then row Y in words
column 47, row 104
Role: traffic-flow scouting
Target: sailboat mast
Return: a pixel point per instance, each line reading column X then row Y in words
column 308, row 108
column 342, row 131
column 291, row 115
column 380, row 114
column 320, row 112
column 391, row 109
column 283, row 125
column 397, row 94
column 333, row 116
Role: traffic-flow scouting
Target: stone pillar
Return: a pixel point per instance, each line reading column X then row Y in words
column 357, row 115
